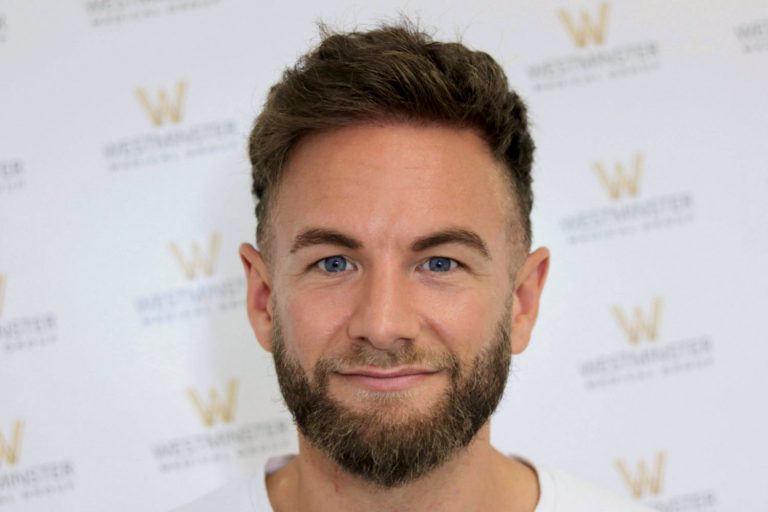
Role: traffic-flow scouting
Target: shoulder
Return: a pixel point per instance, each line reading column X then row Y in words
column 561, row 492
column 236, row 496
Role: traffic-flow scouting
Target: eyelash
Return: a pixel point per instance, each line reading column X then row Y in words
column 318, row 264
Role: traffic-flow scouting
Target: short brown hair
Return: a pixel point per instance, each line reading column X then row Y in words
column 394, row 72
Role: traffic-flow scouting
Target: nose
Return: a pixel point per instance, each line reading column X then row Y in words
column 384, row 314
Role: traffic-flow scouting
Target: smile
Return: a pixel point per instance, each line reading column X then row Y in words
column 390, row 379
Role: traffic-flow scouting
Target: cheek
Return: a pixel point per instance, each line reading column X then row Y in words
column 311, row 320
column 464, row 320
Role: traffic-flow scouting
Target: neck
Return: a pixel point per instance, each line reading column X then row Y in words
column 476, row 478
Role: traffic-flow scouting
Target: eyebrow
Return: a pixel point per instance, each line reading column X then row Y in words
column 320, row 236
column 452, row 236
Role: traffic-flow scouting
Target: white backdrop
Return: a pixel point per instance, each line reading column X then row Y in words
column 129, row 378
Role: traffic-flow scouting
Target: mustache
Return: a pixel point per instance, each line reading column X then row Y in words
column 363, row 354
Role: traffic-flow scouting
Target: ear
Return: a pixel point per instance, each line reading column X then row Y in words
column 259, row 294
column 528, row 287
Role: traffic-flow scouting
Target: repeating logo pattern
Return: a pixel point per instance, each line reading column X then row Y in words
column 223, row 438
column 9, row 448
column 586, row 30
column 648, row 354
column 198, row 262
column 594, row 59
column 18, row 333
column 22, row 482
column 645, row 479
column 106, row 13
column 628, row 210
column 204, row 292
column 621, row 181
column 166, row 107
column 216, row 408
column 639, row 325
column 163, row 125
column 171, row 137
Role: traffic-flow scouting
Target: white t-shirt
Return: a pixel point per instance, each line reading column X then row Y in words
column 559, row 492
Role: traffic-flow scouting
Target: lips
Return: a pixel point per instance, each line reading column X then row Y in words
column 387, row 379
column 388, row 373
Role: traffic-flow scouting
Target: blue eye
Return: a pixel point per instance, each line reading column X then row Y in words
column 441, row 264
column 333, row 264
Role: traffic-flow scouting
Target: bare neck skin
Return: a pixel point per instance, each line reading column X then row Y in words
column 478, row 478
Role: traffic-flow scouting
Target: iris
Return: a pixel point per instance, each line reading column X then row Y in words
column 440, row 264
column 334, row 264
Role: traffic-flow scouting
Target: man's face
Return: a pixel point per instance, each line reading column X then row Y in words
column 391, row 292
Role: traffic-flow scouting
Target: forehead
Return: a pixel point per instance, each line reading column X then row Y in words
column 386, row 182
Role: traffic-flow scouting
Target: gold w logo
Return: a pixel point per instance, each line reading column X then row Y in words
column 198, row 261
column 622, row 181
column 644, row 480
column 164, row 108
column 641, row 325
column 9, row 450
column 2, row 293
column 216, row 407
column 587, row 30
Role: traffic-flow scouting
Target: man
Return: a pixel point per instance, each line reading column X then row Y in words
column 394, row 281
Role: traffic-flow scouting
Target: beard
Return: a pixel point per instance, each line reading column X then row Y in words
column 374, row 445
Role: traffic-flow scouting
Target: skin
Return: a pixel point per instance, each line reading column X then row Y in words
column 385, row 186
